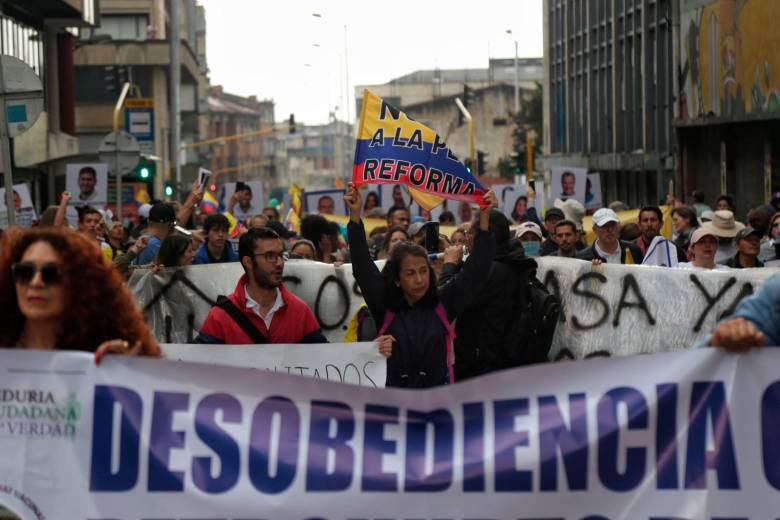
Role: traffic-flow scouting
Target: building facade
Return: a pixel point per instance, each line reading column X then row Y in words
column 728, row 114
column 491, row 110
column 609, row 93
column 41, row 34
column 427, row 85
column 245, row 159
column 316, row 156
column 132, row 44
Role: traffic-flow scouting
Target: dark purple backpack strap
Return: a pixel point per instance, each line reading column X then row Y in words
column 389, row 317
column 442, row 313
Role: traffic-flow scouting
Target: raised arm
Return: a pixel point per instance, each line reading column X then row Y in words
column 59, row 217
column 367, row 275
column 193, row 199
column 459, row 292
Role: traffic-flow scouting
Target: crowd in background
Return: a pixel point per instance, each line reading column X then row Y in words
column 475, row 273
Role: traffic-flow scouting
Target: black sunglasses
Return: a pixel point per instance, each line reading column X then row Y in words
column 24, row 272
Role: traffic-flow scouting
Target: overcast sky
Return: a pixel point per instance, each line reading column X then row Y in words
column 279, row 50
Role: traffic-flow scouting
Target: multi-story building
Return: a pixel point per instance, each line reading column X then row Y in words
column 243, row 159
column 728, row 114
column 317, row 156
column 609, row 93
column 132, row 44
column 491, row 109
column 427, row 85
column 41, row 34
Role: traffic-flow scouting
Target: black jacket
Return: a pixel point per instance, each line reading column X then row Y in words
column 734, row 262
column 419, row 357
column 589, row 253
column 483, row 327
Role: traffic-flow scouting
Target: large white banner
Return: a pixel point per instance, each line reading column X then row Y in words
column 352, row 363
column 607, row 310
column 687, row 435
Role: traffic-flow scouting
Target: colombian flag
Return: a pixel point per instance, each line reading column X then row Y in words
column 209, row 205
column 395, row 149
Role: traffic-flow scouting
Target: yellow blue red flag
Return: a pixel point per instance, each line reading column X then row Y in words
column 392, row 148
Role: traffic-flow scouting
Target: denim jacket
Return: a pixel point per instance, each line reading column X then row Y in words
column 763, row 309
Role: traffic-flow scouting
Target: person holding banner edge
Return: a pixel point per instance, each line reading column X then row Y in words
column 404, row 299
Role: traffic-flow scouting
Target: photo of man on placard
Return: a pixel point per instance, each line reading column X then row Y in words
column 88, row 183
column 325, row 202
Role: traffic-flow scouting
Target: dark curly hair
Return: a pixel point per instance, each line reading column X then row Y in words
column 99, row 307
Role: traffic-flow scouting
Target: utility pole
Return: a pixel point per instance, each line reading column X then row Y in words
column 175, row 90
column 517, row 84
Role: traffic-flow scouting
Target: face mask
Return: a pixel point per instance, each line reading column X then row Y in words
column 532, row 248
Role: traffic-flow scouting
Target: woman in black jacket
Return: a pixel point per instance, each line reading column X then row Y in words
column 403, row 299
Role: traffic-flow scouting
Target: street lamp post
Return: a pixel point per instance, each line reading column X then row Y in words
column 517, row 80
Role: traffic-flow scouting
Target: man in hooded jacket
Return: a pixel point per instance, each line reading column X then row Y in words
column 482, row 328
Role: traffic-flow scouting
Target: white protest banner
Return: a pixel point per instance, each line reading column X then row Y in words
column 630, row 309
column 352, row 363
column 607, row 310
column 176, row 311
column 685, row 436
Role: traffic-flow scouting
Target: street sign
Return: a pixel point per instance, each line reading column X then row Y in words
column 23, row 94
column 139, row 122
column 21, row 102
column 120, row 151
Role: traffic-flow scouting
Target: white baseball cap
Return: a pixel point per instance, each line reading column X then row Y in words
column 528, row 227
column 143, row 211
column 604, row 216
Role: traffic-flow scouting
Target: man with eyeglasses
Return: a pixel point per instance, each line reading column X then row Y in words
column 261, row 309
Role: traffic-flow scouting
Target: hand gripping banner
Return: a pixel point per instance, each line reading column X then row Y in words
column 392, row 148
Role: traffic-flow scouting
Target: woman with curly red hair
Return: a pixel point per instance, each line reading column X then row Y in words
column 56, row 292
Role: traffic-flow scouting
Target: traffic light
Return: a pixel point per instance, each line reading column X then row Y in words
column 169, row 189
column 467, row 162
column 468, row 96
column 468, row 99
column 145, row 171
column 481, row 166
column 292, row 123
column 115, row 78
column 517, row 166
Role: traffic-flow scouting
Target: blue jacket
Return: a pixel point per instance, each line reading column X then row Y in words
column 202, row 256
column 763, row 309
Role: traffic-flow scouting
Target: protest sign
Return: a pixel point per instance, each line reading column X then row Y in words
column 23, row 206
column 689, row 436
column 352, row 363
column 392, row 148
column 249, row 204
column 568, row 183
column 610, row 310
column 593, row 198
column 629, row 309
column 88, row 183
column 325, row 202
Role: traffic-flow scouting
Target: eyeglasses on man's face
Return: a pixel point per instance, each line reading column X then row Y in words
column 273, row 256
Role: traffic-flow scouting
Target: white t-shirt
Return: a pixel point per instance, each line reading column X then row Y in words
column 614, row 258
column 689, row 265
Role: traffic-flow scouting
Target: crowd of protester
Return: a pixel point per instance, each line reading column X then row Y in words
column 66, row 288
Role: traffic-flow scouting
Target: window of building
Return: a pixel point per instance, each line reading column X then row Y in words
column 499, row 121
column 132, row 27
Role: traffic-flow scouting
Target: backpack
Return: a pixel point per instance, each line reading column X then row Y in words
column 536, row 312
